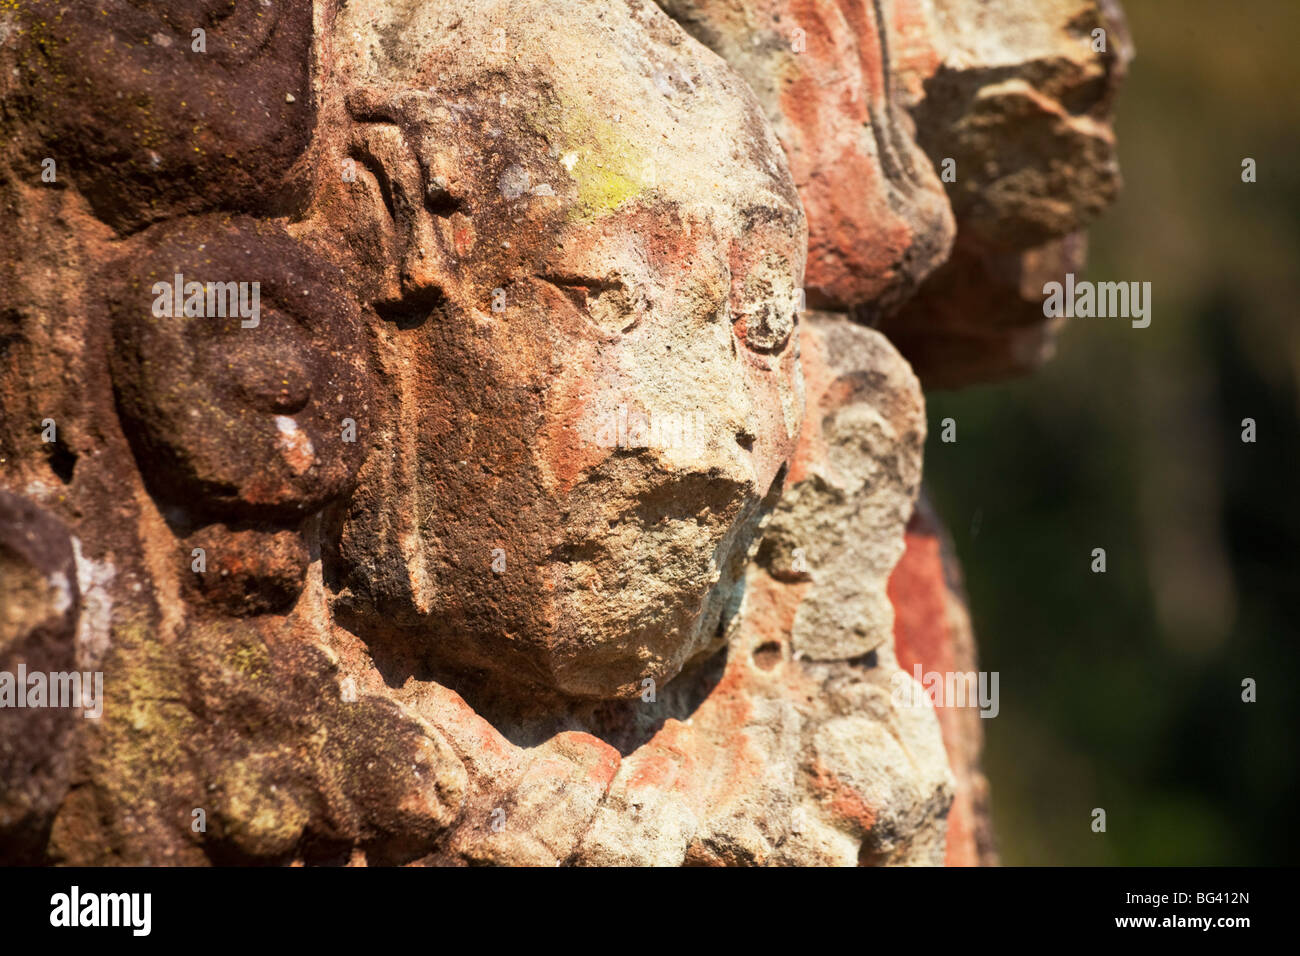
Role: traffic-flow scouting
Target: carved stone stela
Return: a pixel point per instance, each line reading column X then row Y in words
column 490, row 431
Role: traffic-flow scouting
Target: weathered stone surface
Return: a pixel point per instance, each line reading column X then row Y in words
column 872, row 99
column 836, row 78
column 235, row 416
column 244, row 571
column 932, row 635
column 145, row 124
column 799, row 754
column 538, row 525
column 39, row 606
column 238, row 745
column 759, row 755
column 1022, row 103
column 980, row 316
column 858, row 471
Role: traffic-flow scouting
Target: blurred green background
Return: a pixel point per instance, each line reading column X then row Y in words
column 1123, row 690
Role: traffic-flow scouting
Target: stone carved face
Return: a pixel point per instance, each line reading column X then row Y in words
column 237, row 418
column 553, row 289
column 584, row 312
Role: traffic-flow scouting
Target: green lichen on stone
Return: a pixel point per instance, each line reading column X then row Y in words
column 140, row 750
column 249, row 656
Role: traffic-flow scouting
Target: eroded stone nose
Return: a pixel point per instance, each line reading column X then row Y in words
column 425, row 264
column 417, row 192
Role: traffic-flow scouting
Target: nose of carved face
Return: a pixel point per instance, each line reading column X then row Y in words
column 588, row 333
column 403, row 144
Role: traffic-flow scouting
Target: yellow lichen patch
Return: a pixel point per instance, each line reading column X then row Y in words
column 261, row 818
column 250, row 658
column 608, row 168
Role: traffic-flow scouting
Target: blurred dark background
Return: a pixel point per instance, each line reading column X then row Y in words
column 1123, row 690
